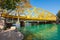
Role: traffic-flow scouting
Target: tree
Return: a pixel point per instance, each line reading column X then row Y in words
column 8, row 4
column 58, row 14
column 11, row 4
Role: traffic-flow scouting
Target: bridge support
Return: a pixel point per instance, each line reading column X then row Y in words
column 22, row 23
column 34, row 23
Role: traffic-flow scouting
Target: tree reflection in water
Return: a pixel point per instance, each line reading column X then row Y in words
column 41, row 32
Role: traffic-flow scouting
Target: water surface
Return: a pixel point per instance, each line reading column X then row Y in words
column 41, row 32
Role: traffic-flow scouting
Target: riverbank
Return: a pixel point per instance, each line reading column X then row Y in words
column 11, row 34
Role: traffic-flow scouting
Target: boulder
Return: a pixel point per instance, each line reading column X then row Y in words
column 11, row 35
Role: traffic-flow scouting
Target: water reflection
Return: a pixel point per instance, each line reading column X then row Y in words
column 41, row 32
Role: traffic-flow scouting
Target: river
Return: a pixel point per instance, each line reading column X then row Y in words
column 41, row 32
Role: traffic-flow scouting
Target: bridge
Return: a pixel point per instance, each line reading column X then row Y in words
column 27, row 13
column 30, row 14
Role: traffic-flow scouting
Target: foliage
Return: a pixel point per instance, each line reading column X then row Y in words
column 8, row 4
column 11, row 4
column 58, row 14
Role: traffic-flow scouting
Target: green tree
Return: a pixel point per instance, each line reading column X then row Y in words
column 11, row 4
column 8, row 4
column 58, row 14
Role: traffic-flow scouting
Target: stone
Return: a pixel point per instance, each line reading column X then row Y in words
column 11, row 35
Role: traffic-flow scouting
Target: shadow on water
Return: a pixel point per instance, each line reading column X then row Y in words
column 58, row 25
column 41, row 32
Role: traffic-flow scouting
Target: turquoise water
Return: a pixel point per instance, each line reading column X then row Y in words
column 41, row 32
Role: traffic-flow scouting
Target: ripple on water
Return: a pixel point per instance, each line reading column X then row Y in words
column 43, row 31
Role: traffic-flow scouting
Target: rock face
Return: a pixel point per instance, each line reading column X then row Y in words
column 11, row 35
